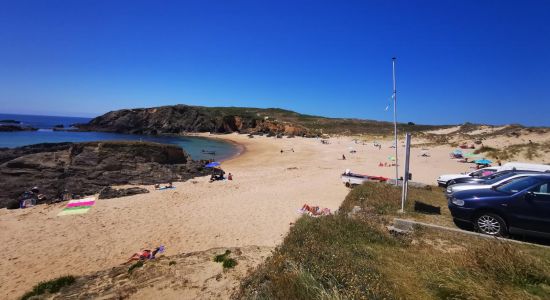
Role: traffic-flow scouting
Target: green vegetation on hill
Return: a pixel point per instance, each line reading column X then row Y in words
column 342, row 257
column 317, row 123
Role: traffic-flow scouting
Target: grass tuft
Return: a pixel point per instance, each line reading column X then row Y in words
column 222, row 257
column 229, row 263
column 226, row 261
column 138, row 264
column 52, row 286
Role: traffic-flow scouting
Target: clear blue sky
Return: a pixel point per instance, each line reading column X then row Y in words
column 478, row 61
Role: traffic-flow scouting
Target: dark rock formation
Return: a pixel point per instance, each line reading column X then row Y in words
column 10, row 121
column 109, row 192
column 86, row 168
column 16, row 128
column 183, row 118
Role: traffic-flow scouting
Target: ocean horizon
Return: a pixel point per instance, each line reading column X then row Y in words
column 194, row 146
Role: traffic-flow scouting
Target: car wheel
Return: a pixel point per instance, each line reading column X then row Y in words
column 490, row 224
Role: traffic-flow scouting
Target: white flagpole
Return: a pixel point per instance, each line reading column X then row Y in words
column 395, row 122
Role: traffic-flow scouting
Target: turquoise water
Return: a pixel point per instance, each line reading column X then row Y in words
column 192, row 145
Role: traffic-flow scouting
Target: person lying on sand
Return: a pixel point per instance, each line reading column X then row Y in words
column 315, row 210
column 168, row 186
column 146, row 254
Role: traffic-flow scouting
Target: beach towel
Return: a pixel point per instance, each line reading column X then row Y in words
column 78, row 207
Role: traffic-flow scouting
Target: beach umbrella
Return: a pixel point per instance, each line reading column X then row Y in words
column 483, row 161
column 392, row 158
column 470, row 155
column 457, row 152
column 212, row 165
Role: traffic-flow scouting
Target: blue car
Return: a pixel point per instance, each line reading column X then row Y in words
column 518, row 207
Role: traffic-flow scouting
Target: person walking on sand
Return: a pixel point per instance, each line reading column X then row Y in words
column 343, row 157
column 281, row 151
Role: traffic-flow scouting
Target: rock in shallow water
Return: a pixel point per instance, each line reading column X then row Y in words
column 87, row 168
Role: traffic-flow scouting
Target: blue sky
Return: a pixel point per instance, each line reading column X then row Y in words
column 478, row 61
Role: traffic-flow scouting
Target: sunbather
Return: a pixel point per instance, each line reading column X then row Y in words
column 146, row 254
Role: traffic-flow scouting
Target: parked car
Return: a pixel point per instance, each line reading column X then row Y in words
column 495, row 182
column 525, row 166
column 517, row 207
column 444, row 179
column 489, row 178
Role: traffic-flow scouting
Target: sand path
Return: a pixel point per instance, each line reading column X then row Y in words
column 256, row 208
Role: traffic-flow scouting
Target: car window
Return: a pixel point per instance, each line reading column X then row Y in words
column 543, row 189
column 482, row 172
column 518, row 185
column 476, row 173
column 497, row 176
column 501, row 181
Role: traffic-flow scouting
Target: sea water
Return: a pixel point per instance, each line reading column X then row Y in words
column 45, row 134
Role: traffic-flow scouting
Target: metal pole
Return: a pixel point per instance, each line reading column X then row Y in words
column 395, row 123
column 406, row 174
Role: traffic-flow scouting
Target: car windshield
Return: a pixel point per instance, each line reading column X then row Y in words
column 482, row 172
column 518, row 185
column 497, row 175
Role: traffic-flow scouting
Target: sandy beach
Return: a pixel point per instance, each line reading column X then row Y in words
column 256, row 208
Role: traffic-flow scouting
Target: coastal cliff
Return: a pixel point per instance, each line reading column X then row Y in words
column 86, row 168
column 179, row 119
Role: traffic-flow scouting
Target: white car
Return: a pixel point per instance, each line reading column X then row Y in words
column 475, row 186
column 443, row 179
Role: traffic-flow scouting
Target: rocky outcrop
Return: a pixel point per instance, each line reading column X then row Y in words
column 179, row 119
column 86, row 168
column 110, row 193
column 10, row 128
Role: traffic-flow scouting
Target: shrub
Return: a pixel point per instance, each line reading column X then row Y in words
column 52, row 286
column 229, row 263
column 222, row 257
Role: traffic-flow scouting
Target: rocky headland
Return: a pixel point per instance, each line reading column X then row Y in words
column 180, row 119
column 87, row 168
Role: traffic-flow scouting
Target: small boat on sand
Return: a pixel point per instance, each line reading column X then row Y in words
column 351, row 179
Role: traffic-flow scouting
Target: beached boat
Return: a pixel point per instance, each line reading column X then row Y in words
column 352, row 179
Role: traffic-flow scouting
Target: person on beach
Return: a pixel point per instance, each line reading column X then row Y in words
column 229, row 177
column 282, row 151
column 343, row 157
column 146, row 254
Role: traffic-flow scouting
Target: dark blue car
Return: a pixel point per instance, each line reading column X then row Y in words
column 518, row 207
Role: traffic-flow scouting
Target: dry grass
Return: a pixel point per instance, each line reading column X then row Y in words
column 338, row 257
column 529, row 151
column 385, row 199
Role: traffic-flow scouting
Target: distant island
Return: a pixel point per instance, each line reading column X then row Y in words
column 11, row 128
column 10, row 121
